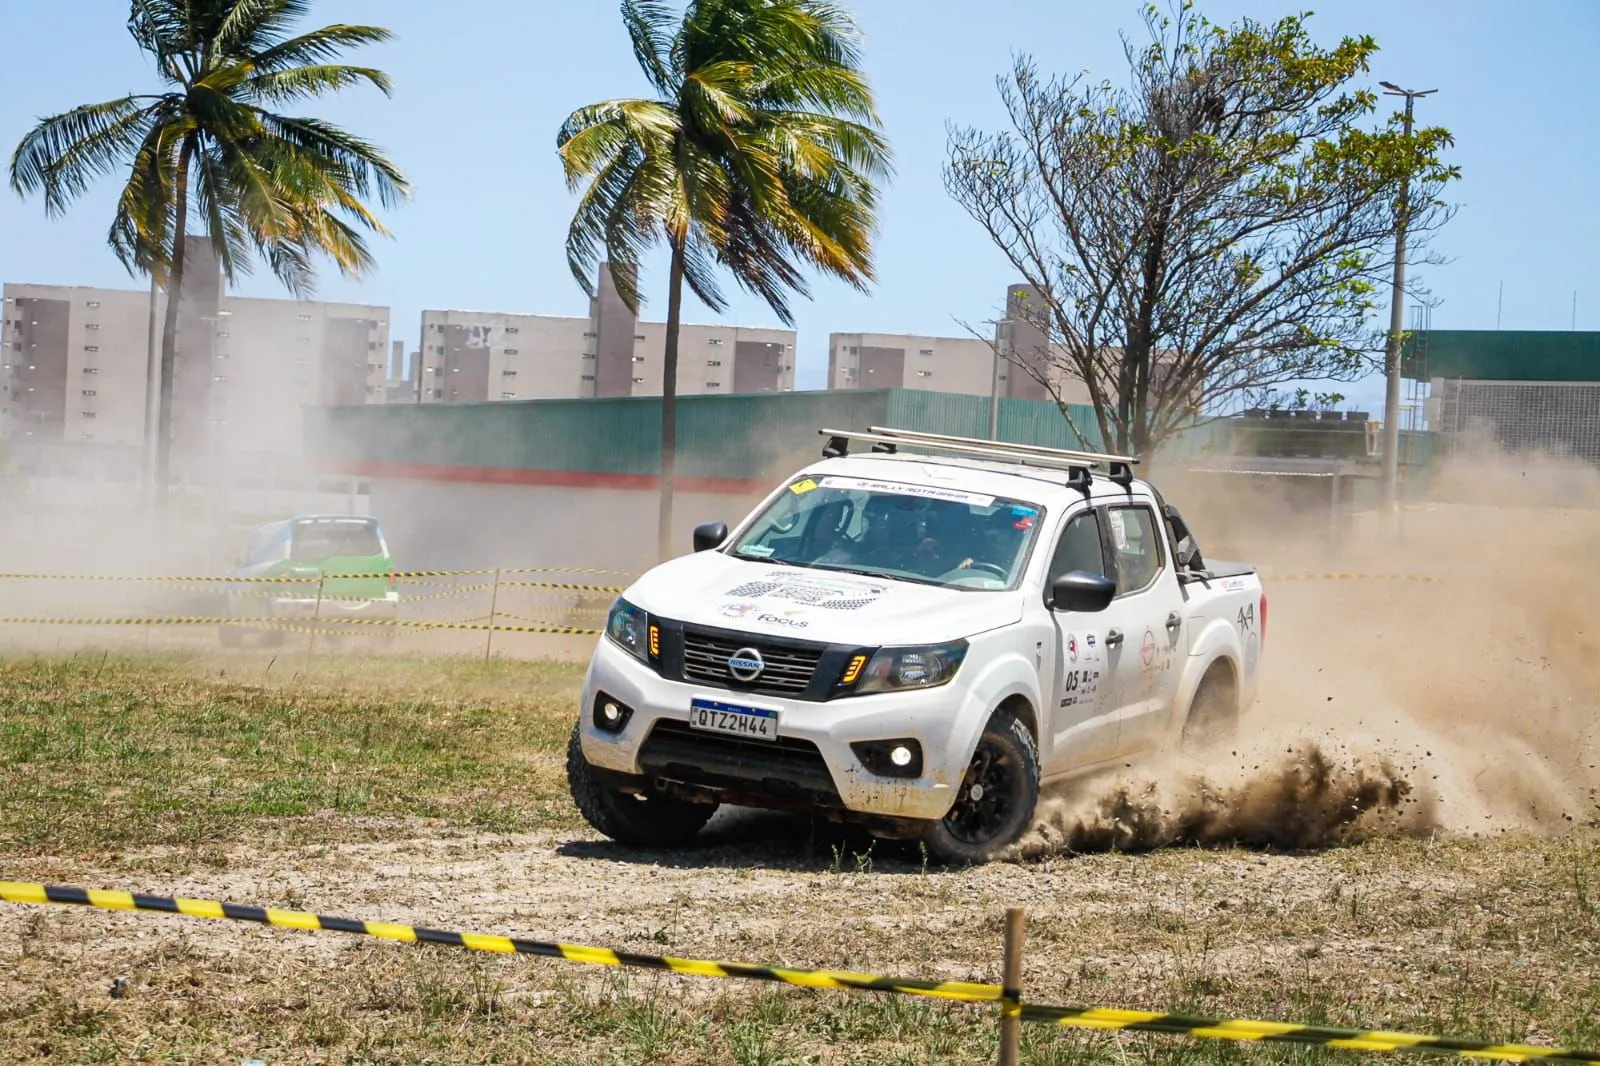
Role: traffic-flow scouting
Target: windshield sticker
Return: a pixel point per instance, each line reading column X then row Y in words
column 1119, row 530
column 800, row 488
column 832, row 595
column 759, row 551
column 971, row 499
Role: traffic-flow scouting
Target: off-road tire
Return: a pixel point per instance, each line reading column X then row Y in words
column 1007, row 763
column 1213, row 716
column 644, row 821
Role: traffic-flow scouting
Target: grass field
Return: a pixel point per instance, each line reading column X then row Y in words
column 432, row 792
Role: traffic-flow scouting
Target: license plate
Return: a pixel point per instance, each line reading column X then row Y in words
column 712, row 716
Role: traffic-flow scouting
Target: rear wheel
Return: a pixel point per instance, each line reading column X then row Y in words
column 648, row 821
column 996, row 800
column 1214, row 712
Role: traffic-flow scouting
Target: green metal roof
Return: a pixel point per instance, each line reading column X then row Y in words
column 1502, row 355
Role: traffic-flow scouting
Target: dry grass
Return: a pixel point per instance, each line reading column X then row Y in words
column 430, row 792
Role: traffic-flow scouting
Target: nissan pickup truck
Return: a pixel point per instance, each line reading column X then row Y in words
column 916, row 637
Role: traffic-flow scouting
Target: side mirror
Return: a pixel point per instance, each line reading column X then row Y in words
column 709, row 535
column 1082, row 591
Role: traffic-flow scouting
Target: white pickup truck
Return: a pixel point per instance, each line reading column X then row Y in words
column 913, row 642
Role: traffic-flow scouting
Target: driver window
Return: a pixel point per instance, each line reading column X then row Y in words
column 1078, row 549
column 1136, row 546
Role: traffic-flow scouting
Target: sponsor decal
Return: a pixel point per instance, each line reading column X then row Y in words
column 1247, row 619
column 829, row 594
column 738, row 610
column 785, row 619
column 928, row 492
column 1072, row 647
column 1119, row 529
column 757, row 551
column 1147, row 647
column 1233, row 584
column 800, row 488
column 1080, row 688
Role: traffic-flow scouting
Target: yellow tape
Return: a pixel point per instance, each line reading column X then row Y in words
column 1099, row 1018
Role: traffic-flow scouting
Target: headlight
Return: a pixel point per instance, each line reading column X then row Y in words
column 893, row 669
column 629, row 628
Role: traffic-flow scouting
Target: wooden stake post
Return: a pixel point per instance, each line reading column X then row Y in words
column 494, row 607
column 1011, row 983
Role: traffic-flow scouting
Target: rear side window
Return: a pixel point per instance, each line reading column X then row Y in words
column 316, row 541
column 1135, row 546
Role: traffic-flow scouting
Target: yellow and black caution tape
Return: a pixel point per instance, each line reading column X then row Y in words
column 562, row 585
column 405, row 575
column 326, row 624
column 1254, row 1031
column 1100, row 1018
column 1424, row 578
column 16, row 892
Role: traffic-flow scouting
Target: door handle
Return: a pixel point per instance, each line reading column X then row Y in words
column 1173, row 621
column 1113, row 638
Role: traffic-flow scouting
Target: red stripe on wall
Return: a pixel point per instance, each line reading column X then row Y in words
column 573, row 479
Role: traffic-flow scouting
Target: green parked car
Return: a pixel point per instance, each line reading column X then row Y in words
column 334, row 568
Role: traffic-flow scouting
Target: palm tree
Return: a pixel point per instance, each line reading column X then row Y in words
column 214, row 146
column 759, row 157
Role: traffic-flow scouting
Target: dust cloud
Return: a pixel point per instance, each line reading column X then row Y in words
column 1467, row 704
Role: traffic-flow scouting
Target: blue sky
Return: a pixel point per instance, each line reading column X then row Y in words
column 483, row 85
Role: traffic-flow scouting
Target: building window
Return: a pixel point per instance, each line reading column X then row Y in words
column 588, row 377
column 713, row 384
column 590, row 333
column 455, row 370
column 508, row 396
column 224, row 314
column 438, row 349
column 87, row 414
column 638, row 359
column 508, row 373
column 224, row 333
column 91, row 325
column 301, row 360
column 511, row 329
column 86, row 370
column 713, row 362
column 372, row 346
column 715, row 342
column 638, row 336
column 303, row 318
column 94, row 303
column 855, row 351
column 511, row 351
column 438, row 394
column 926, row 351
column 638, row 381
column 924, row 373
column 91, row 392
column 91, row 347
column 586, row 355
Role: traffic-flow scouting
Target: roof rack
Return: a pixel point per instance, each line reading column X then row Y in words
column 889, row 440
column 1021, row 449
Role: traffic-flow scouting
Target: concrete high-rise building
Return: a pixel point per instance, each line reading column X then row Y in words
column 76, row 363
column 488, row 355
column 956, row 364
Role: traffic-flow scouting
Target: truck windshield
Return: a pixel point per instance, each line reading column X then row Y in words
column 919, row 533
column 316, row 542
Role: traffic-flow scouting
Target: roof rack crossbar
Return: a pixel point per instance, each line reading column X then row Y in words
column 1048, row 462
column 909, row 435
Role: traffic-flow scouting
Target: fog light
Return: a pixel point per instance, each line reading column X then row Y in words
column 901, row 757
column 610, row 715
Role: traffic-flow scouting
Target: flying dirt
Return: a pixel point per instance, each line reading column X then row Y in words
column 1464, row 703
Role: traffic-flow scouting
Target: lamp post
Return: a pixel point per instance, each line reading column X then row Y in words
column 1002, row 351
column 1391, row 398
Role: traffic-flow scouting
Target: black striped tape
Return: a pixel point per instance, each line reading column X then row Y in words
column 1101, row 1018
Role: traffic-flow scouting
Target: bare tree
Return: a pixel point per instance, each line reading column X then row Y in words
column 1214, row 231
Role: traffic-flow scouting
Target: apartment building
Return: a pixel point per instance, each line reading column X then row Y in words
column 956, row 364
column 76, row 363
column 487, row 355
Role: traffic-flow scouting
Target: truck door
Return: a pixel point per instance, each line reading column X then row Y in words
column 1146, row 622
column 1083, row 729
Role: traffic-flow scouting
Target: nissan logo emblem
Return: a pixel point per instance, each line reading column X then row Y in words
column 746, row 664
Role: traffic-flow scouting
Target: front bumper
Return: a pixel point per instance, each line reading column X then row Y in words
column 810, row 765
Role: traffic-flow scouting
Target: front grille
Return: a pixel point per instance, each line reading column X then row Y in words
column 788, row 768
column 789, row 669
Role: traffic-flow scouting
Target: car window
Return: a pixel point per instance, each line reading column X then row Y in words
column 317, row 541
column 1078, row 549
column 1135, row 546
column 909, row 532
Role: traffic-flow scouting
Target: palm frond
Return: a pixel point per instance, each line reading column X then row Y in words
column 586, row 236
column 592, row 150
column 700, row 271
column 64, row 154
column 252, row 26
column 141, row 228
column 362, row 166
column 213, row 200
column 163, row 28
column 318, row 46
column 298, row 83
column 644, row 121
column 649, row 25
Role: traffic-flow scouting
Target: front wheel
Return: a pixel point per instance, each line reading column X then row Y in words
column 646, row 821
column 996, row 799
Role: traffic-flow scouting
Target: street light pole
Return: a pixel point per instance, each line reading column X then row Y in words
column 1391, row 398
column 1002, row 350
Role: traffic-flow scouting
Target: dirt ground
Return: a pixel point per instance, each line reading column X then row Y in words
column 1405, row 837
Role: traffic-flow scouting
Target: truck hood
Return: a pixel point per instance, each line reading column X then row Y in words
column 722, row 592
